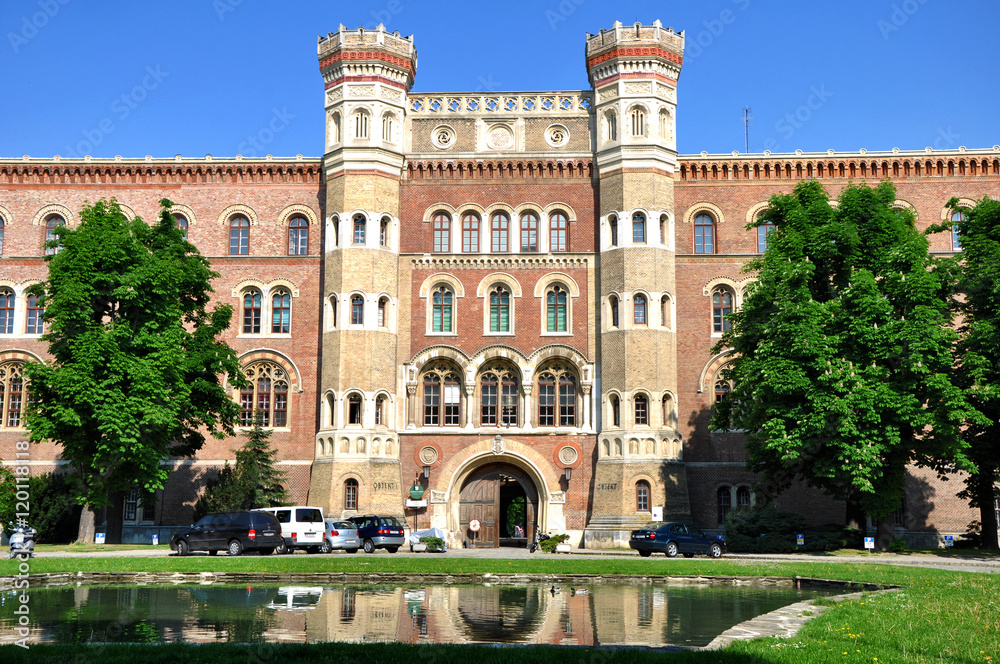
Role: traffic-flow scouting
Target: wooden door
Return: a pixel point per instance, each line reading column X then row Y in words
column 479, row 500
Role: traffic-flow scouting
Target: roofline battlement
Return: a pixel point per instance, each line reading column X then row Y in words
column 620, row 35
column 362, row 37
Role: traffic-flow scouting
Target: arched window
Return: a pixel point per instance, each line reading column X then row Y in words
column 664, row 125
column 611, row 119
column 1, row 235
column 616, row 413
column 722, row 306
column 668, row 410
column 12, row 390
column 638, row 122
column 351, row 494
column 614, row 310
column 357, row 310
column 498, row 396
column 334, row 302
column 382, row 306
column 239, row 236
column 335, row 128
column 182, row 223
column 638, row 228
column 725, row 501
column 499, row 232
column 267, row 392
column 441, row 318
column 281, row 312
column 743, row 497
column 529, row 232
column 642, row 496
column 556, row 309
column 383, row 232
column 470, row 233
column 7, row 300
column 387, row 127
column 663, row 230
column 641, row 409
column 704, row 234
column 557, row 385
column 354, row 409
column 500, row 309
column 558, row 232
column 251, row 311
column 722, row 388
column 442, row 397
column 298, row 236
column 359, row 229
column 442, row 233
column 613, row 228
column 762, row 232
column 380, row 410
column 665, row 311
column 956, row 238
column 639, row 309
column 361, row 124
column 335, row 230
column 36, row 324
column 51, row 224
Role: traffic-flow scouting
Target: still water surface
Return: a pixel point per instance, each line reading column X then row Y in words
column 605, row 614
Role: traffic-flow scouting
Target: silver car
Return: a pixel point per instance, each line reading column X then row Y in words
column 341, row 535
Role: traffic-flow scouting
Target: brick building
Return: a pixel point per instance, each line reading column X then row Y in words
column 507, row 298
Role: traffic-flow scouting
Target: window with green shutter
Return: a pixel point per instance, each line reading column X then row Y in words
column 556, row 310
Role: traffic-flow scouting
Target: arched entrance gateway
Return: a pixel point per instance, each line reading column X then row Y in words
column 504, row 500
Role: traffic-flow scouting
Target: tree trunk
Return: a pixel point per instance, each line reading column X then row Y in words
column 885, row 533
column 114, row 516
column 86, row 530
column 985, row 495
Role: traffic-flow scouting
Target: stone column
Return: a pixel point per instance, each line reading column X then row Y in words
column 469, row 392
column 527, row 405
column 411, row 403
column 587, row 401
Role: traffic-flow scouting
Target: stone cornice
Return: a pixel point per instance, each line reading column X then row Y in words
column 494, row 261
column 499, row 168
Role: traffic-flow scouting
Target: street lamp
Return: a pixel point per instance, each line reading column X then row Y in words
column 427, row 473
column 569, row 474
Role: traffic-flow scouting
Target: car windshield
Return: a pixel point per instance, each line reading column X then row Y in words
column 345, row 525
column 308, row 515
column 392, row 522
column 653, row 525
column 204, row 521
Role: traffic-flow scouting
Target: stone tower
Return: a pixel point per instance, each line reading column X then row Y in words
column 367, row 75
column 634, row 71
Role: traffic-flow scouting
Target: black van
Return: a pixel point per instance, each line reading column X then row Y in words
column 233, row 532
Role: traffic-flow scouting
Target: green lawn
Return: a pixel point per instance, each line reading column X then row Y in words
column 940, row 616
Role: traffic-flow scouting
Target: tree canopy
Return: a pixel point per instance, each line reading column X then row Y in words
column 136, row 359
column 843, row 349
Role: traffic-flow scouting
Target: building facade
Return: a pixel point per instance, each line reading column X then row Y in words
column 508, row 299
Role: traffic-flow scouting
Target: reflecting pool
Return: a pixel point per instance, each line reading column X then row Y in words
column 649, row 614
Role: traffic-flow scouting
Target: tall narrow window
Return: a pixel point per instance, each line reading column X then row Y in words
column 498, row 398
column 638, row 228
column 613, row 229
column 441, row 314
column 442, row 233
column 616, row 412
column 488, row 399
column 383, row 232
column 499, row 232
column 743, row 497
column 638, row 122
column 556, row 310
column 51, row 224
column 546, row 400
column 432, row 400
column 1, row 235
column 722, row 306
column 762, row 232
column 379, row 410
column 725, row 501
column 11, row 395
column 334, row 302
column 267, row 392
column 500, row 309
column 611, row 119
column 557, row 385
column 452, row 400
column 35, row 313
column 281, row 312
column 470, row 233
column 298, row 236
column 639, row 309
column 614, row 311
column 357, row 310
column 558, row 232
column 354, row 409
column 665, row 313
column 722, row 388
column 641, row 409
column 361, row 125
column 642, row 496
column 704, row 234
column 239, row 236
column 251, row 312
column 182, row 223
column 7, row 300
column 351, row 495
column 668, row 410
column 567, row 400
column 442, row 397
column 508, row 401
column 663, row 230
column 359, row 229
column 131, row 507
column 382, row 305
column 387, row 127
column 280, row 405
column 956, row 238
column 529, row 232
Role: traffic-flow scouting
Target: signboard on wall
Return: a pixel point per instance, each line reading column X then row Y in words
column 658, row 513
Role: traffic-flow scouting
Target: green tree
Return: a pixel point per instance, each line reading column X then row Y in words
column 252, row 482
column 136, row 366
column 843, row 351
column 978, row 370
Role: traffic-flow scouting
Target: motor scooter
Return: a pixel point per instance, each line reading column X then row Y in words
column 539, row 538
column 22, row 541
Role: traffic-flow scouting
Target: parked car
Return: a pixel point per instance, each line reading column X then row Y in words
column 380, row 532
column 674, row 538
column 341, row 535
column 302, row 527
column 233, row 532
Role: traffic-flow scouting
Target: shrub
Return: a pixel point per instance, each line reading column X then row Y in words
column 549, row 545
column 434, row 544
column 972, row 539
column 768, row 530
column 897, row 545
column 52, row 512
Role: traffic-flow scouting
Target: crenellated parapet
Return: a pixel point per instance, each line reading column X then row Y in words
column 635, row 51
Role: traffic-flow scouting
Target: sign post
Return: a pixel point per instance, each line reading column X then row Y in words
column 949, row 540
column 870, row 543
column 800, row 539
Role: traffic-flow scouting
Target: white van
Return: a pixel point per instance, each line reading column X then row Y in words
column 302, row 527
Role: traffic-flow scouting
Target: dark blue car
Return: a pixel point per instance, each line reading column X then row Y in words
column 674, row 538
column 379, row 532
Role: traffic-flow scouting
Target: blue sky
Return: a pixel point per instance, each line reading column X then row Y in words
column 198, row 77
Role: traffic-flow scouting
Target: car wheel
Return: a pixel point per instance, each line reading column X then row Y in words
column 212, row 552
column 671, row 549
column 351, row 550
column 715, row 551
column 326, row 548
column 392, row 549
column 369, row 546
column 282, row 548
column 266, row 552
column 645, row 554
column 182, row 548
column 235, row 547
column 689, row 555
